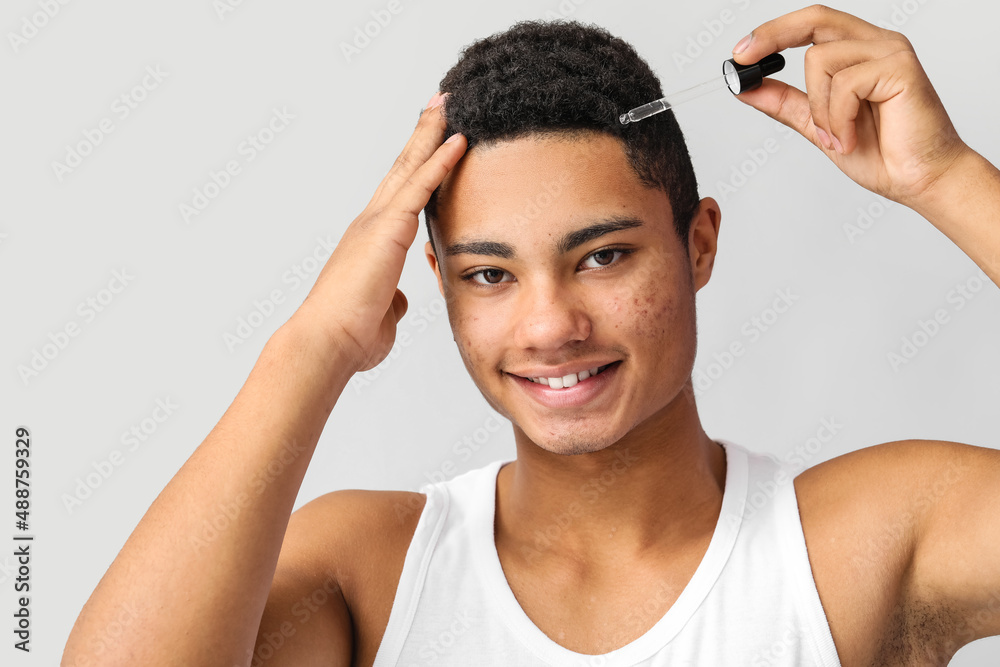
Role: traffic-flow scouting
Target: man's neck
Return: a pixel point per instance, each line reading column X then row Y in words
column 652, row 493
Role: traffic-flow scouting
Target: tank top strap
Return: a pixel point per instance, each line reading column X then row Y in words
column 411, row 579
column 800, row 569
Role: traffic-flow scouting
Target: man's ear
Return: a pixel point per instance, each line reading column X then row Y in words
column 703, row 238
column 435, row 267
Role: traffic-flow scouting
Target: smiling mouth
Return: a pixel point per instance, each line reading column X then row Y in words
column 567, row 381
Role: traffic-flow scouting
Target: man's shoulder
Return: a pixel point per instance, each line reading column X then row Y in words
column 867, row 518
column 352, row 522
column 883, row 493
column 884, row 477
column 356, row 540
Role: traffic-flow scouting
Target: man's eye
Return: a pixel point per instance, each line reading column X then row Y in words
column 604, row 257
column 486, row 276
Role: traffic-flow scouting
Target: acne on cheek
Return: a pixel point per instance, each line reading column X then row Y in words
column 647, row 315
column 472, row 358
column 476, row 357
column 467, row 329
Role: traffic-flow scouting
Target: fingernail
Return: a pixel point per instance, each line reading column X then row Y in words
column 434, row 101
column 453, row 137
column 836, row 144
column 742, row 45
column 824, row 138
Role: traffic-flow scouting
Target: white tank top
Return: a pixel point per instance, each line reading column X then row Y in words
column 752, row 600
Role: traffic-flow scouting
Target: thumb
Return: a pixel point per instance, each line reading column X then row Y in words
column 398, row 305
column 786, row 104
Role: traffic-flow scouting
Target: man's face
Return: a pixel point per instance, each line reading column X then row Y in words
column 531, row 293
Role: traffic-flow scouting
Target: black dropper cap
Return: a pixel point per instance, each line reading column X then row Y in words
column 741, row 78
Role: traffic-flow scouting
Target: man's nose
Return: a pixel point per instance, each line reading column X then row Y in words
column 549, row 316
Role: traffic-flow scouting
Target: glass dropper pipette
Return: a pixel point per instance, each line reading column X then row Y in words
column 738, row 78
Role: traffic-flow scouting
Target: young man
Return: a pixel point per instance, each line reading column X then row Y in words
column 578, row 325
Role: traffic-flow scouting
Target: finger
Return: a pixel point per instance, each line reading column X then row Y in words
column 424, row 140
column 786, row 104
column 824, row 61
column 399, row 305
column 413, row 194
column 870, row 81
column 389, row 232
column 812, row 25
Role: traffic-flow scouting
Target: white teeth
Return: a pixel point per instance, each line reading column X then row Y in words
column 567, row 381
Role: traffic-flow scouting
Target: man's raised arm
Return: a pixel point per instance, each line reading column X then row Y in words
column 197, row 598
column 871, row 108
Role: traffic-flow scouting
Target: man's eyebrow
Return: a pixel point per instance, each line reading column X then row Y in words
column 591, row 232
column 571, row 240
column 494, row 248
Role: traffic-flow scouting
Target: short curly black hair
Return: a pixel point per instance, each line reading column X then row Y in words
column 544, row 77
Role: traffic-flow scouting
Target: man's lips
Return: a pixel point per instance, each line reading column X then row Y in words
column 564, row 376
column 577, row 394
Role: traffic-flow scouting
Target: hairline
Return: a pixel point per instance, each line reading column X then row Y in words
column 577, row 134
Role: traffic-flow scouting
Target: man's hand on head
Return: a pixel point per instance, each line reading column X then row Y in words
column 869, row 105
column 355, row 303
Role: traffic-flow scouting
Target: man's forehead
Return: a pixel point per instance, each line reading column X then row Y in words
column 561, row 181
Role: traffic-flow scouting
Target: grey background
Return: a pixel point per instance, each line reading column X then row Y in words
column 162, row 337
